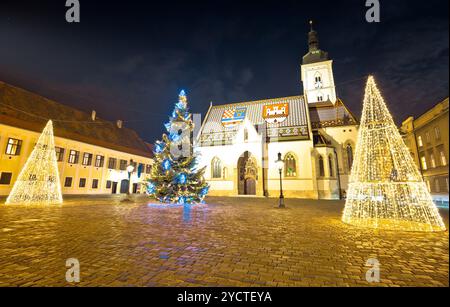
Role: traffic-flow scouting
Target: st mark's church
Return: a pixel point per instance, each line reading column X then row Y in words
column 315, row 134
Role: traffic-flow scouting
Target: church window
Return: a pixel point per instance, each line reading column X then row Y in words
column 321, row 167
column 216, row 166
column 330, row 165
column 290, row 169
column 349, row 157
column 319, row 98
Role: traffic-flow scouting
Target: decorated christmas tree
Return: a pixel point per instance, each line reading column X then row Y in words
column 38, row 182
column 175, row 178
column 386, row 189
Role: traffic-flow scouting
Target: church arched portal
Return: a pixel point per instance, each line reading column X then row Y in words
column 247, row 174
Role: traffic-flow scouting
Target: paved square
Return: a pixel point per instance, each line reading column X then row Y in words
column 231, row 242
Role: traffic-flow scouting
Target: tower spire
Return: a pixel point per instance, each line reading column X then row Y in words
column 313, row 38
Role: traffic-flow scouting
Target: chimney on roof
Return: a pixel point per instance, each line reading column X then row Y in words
column 93, row 115
column 119, row 123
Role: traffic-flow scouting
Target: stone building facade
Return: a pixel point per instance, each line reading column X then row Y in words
column 92, row 153
column 427, row 138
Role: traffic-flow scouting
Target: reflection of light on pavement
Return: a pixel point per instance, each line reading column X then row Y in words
column 186, row 213
column 164, row 205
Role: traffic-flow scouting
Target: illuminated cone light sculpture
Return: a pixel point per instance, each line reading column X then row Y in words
column 386, row 190
column 38, row 182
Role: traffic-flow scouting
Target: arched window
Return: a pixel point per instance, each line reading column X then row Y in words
column 216, row 167
column 349, row 157
column 330, row 165
column 321, row 167
column 290, row 167
column 318, row 77
column 245, row 135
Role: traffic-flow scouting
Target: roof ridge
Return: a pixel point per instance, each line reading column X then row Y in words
column 256, row 101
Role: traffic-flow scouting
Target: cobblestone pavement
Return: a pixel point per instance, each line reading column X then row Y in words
column 230, row 242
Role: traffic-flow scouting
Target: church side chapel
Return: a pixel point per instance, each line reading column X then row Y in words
column 315, row 134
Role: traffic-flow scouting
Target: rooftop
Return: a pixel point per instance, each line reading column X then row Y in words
column 23, row 109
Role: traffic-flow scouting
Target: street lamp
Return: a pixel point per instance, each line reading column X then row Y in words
column 130, row 169
column 280, row 164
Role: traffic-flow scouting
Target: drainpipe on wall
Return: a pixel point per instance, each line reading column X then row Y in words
column 417, row 148
column 338, row 173
column 265, row 162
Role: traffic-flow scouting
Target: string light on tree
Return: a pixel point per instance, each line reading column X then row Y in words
column 386, row 189
column 38, row 182
column 175, row 178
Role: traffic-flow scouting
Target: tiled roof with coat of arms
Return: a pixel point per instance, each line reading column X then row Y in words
column 283, row 117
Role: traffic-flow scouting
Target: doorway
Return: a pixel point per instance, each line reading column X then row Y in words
column 114, row 188
column 247, row 174
column 124, row 186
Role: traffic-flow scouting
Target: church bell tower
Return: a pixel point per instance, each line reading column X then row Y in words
column 317, row 72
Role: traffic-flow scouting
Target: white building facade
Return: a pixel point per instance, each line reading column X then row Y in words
column 315, row 134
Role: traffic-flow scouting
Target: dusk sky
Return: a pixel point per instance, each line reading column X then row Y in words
column 129, row 59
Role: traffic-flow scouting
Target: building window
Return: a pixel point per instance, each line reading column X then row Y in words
column 245, row 135
column 290, row 167
column 437, row 188
column 349, row 157
column 5, row 178
column 82, row 182
column 74, row 156
column 94, row 183
column 443, row 158
column 112, row 163
column 68, row 182
column 330, row 165
column 99, row 161
column 148, row 169
column 318, row 78
column 321, row 167
column 59, row 154
column 123, row 165
column 319, row 98
column 13, row 147
column 216, row 166
column 419, row 141
column 423, row 161
column 428, row 137
column 141, row 168
column 437, row 133
column 108, row 184
column 432, row 161
column 87, row 158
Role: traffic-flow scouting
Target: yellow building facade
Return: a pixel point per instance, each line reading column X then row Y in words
column 427, row 138
column 92, row 154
